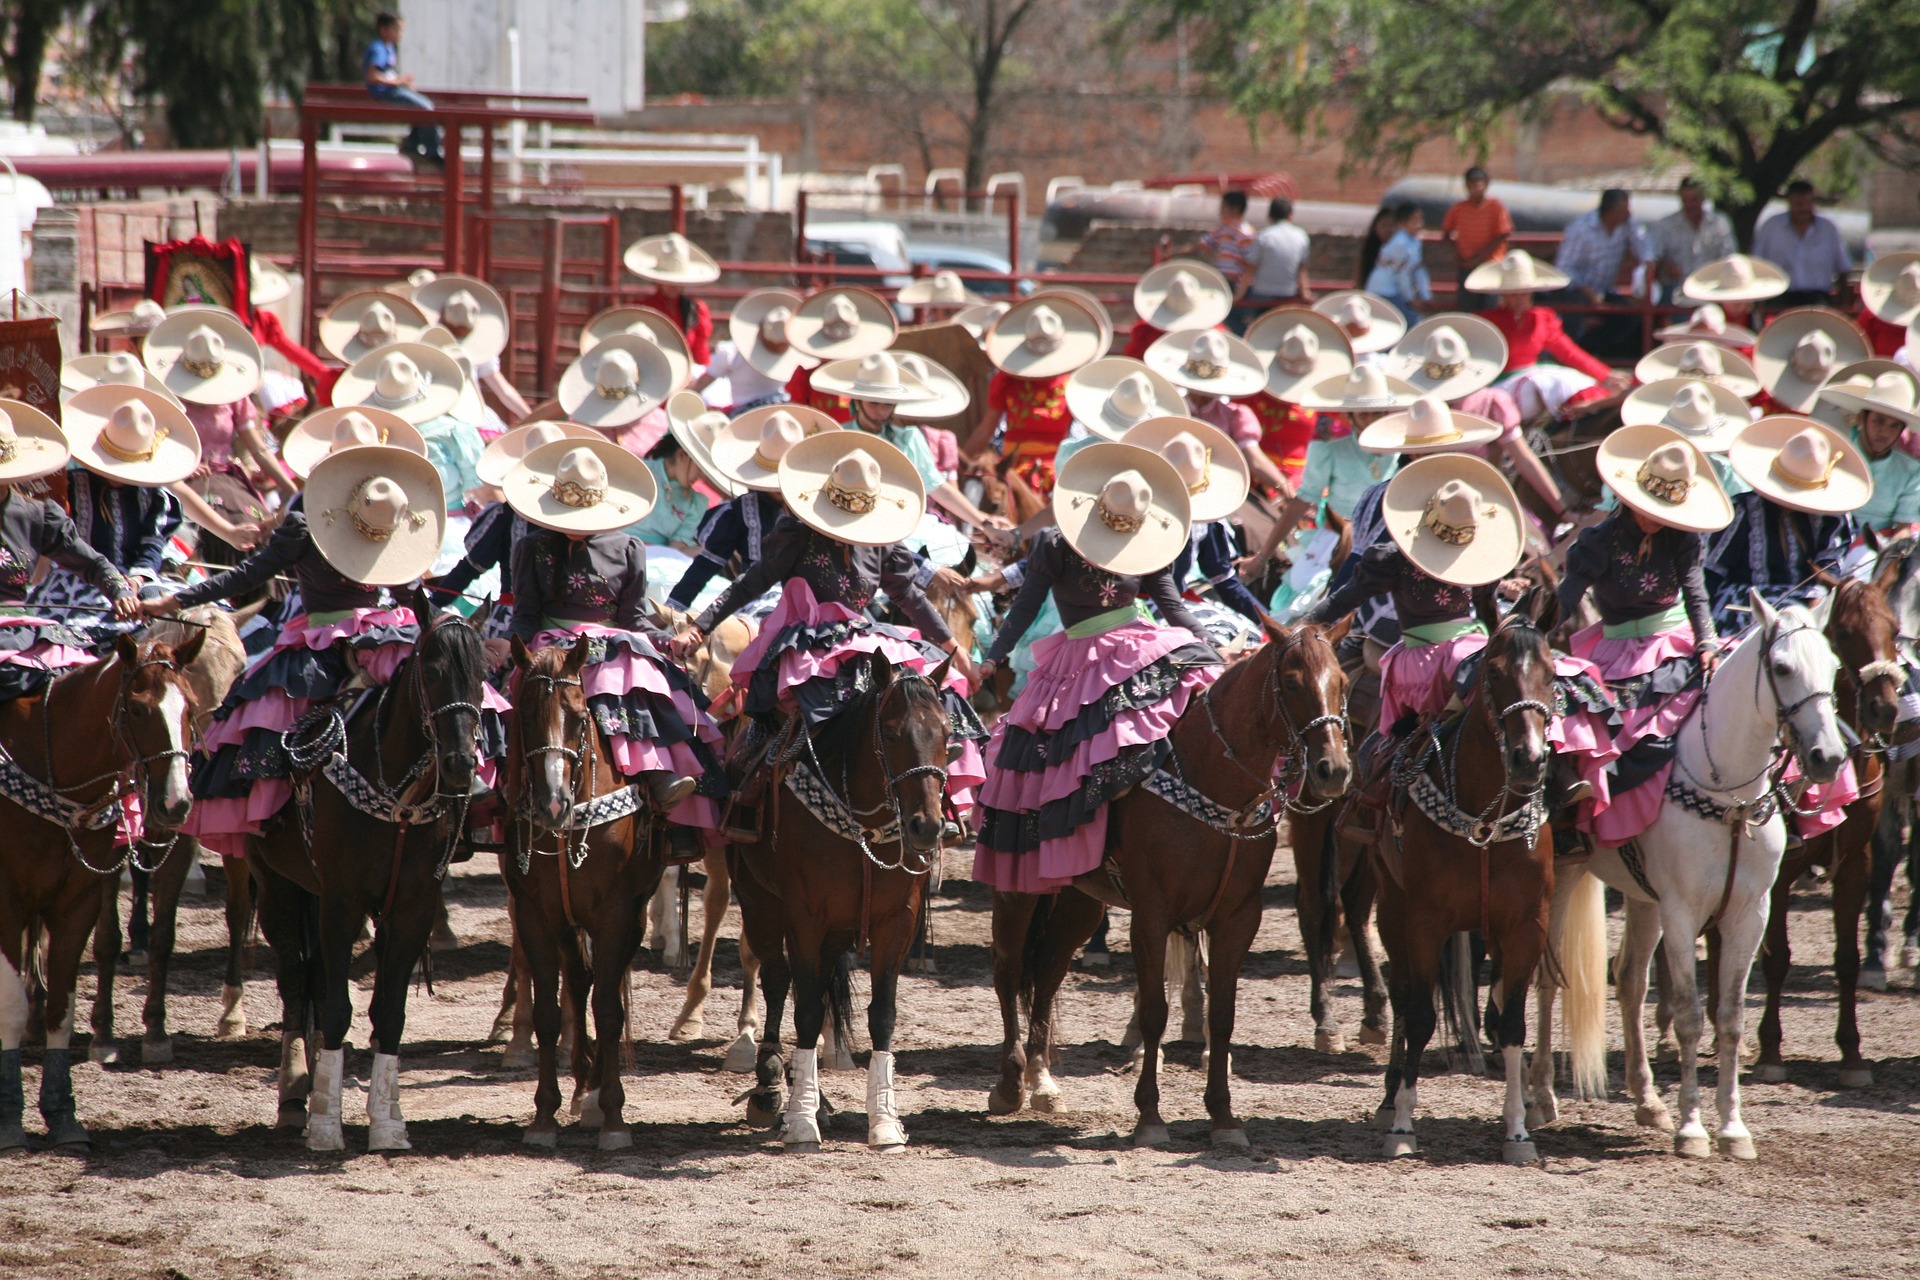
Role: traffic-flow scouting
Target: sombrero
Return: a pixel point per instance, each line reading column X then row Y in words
column 671, row 259
column 113, row 368
column 1207, row 361
column 647, row 324
column 267, row 284
column 1114, row 394
column 876, row 379
column 581, row 486
column 844, row 323
column 1894, row 394
column 694, row 425
column 1800, row 349
column 1300, row 348
column 1518, row 272
column 1735, row 278
column 853, row 487
column 471, row 407
column 1450, row 355
column 1708, row 415
column 204, row 357
column 748, row 449
column 131, row 434
column 1802, row 465
column 416, row 381
column 470, row 309
column 758, row 327
column 1858, row 376
column 376, row 513
column 1456, row 518
column 1708, row 323
column 1182, row 294
column 368, row 320
column 1664, row 476
column 321, row 434
column 1890, row 287
column 31, row 443
column 941, row 289
column 131, row 321
column 504, row 452
column 1370, row 322
column 1208, row 462
column 979, row 318
column 1706, row 361
column 1087, row 299
column 1362, row 389
column 1428, row 426
column 616, row 382
column 1122, row 508
column 1045, row 336
column 950, row 394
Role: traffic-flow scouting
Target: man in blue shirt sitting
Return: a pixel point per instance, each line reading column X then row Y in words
column 387, row 83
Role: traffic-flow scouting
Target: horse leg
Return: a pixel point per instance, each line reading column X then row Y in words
column 612, row 958
column 517, row 993
column 1667, row 1045
column 1071, row 920
column 1849, row 897
column 1740, row 934
column 762, row 938
column 285, row 910
column 1543, row 1107
column 893, row 938
column 1356, row 900
column 156, row 1046
column 576, row 995
column 233, row 1009
column 800, row 1126
column 1517, row 957
column 1776, row 958
column 690, row 1023
column 1638, row 945
column 1015, row 917
column 1690, row 1139
column 1312, row 845
column 1415, row 1017
column 1149, row 934
column 1889, row 851
column 106, row 961
column 339, row 929
column 1229, row 936
column 399, row 942
column 13, row 1020
column 1187, row 970
column 663, row 913
column 538, row 948
column 742, row 1053
column 66, row 943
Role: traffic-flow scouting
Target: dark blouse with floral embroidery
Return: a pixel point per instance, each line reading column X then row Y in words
column 600, row 579
column 1418, row 598
column 836, row 572
column 1635, row 575
column 1082, row 591
column 35, row 527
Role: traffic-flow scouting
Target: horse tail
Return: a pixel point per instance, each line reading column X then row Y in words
column 1459, row 999
column 1583, row 960
column 839, row 984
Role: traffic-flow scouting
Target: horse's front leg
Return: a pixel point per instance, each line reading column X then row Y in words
column 1071, row 918
column 1357, row 894
column 1228, row 938
column 1637, row 948
column 1519, row 957
column 1681, row 995
column 399, row 942
column 537, row 946
column 156, row 1046
column 1013, row 920
column 67, row 931
column 1849, row 898
column 1740, row 932
column 106, row 960
column 691, row 1022
column 614, row 948
column 239, row 911
column 1149, row 934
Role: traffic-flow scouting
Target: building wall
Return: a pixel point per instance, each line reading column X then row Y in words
column 595, row 47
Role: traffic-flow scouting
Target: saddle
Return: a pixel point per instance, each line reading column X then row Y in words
column 752, row 767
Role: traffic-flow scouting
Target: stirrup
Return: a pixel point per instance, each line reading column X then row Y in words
column 742, row 824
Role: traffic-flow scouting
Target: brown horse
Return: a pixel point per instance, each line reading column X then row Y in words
column 1482, row 774
column 50, row 866
column 1270, row 731
column 1334, row 883
column 810, row 895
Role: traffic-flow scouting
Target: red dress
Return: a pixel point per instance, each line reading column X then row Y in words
column 1285, row 431
column 800, row 391
column 695, row 322
column 1884, row 338
column 1536, row 331
column 1037, row 421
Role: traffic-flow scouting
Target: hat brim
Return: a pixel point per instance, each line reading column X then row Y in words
column 1499, row 533
column 1768, row 281
column 1388, row 325
column 1389, row 434
column 488, row 338
column 630, row 494
column 643, row 259
column 42, row 448
column 841, row 379
column 1090, row 387
column 874, row 329
column 504, row 452
column 617, row 322
column 411, row 550
column 1244, row 375
column 1860, row 402
column 743, row 326
column 1733, row 337
column 978, row 318
column 1228, row 477
column 1649, row 405
column 1156, row 544
column 358, row 384
column 899, row 504
column 1486, row 356
column 312, row 437
column 173, row 459
column 1736, row 374
column 1080, row 339
column 951, row 397
column 734, row 450
column 1705, row 509
column 680, row 419
column 339, row 328
column 1833, row 415
column 1847, row 489
column 83, row 371
column 238, row 375
column 1773, row 354
column 1330, row 397
column 1488, row 278
column 579, row 392
column 1877, row 289
column 1266, row 335
column 1213, row 302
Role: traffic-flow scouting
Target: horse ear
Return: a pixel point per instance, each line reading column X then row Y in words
column 423, row 610
column 482, row 615
column 522, row 656
column 1763, row 613
column 1823, row 609
column 1543, row 608
column 127, row 649
column 1486, row 609
column 1339, row 630
column 880, row 670
column 1893, row 559
column 577, row 657
column 939, row 674
column 1273, row 629
column 185, row 654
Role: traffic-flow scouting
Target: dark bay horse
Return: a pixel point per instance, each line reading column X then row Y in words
column 1197, row 866
column 133, row 716
column 809, row 896
column 411, row 754
column 579, row 891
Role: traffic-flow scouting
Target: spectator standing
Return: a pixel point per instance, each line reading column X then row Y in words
column 1379, row 231
column 380, row 66
column 1807, row 246
column 1597, row 249
column 1277, row 268
column 1229, row 246
column 1478, row 228
column 1690, row 238
column 1400, row 273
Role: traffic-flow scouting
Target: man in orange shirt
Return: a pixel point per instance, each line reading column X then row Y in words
column 1478, row 228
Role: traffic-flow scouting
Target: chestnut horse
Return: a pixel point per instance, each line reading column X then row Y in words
column 1270, row 732
column 133, row 713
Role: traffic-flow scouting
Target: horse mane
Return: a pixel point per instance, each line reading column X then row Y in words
column 838, row 740
column 1859, row 609
column 465, row 653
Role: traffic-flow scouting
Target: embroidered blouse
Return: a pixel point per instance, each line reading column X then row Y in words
column 1634, row 575
column 1419, row 599
column 1211, row 544
column 1773, row 550
column 1082, row 591
column 731, row 539
column 128, row 524
column 323, row 588
column 600, row 579
column 35, row 527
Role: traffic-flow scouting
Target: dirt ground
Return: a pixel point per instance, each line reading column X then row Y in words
column 188, row 1179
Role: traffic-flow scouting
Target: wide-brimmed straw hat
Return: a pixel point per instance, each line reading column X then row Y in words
column 368, row 320
column 758, row 327
column 31, row 443
column 1364, row 388
column 504, row 452
column 1708, row 323
column 1890, row 287
column 648, row 325
column 748, row 449
column 471, row 407
column 1087, row 299
column 877, row 379
column 671, row 259
column 695, row 425
column 1735, row 278
column 1114, row 394
column 1800, row 350
column 842, row 323
column 1706, row 361
column 267, row 284
column 1208, row 461
column 131, row 434
column 1428, row 426
column 1707, row 414
column 377, row 513
column 853, row 487
column 581, row 486
column 110, row 368
column 1517, row 272
column 131, row 321
column 1207, row 361
column 1300, row 348
column 470, row 309
column 1664, row 476
column 1450, row 355
column 941, row 289
column 980, row 317
column 417, row 381
column 615, row 382
column 1182, row 294
column 204, row 356
column 321, row 434
column 1802, row 465
column 1894, row 394
column 1122, row 508
column 950, row 395
column 1456, row 518
column 1370, row 322
column 1044, row 336
column 1858, row 376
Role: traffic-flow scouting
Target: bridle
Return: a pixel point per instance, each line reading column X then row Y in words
column 1782, row 716
column 429, row 714
column 1289, row 785
column 136, row 764
column 891, row 802
column 581, row 762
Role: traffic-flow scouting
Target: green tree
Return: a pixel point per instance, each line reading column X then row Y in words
column 1748, row 91
column 30, row 25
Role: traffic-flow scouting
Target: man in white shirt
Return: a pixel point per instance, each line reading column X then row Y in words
column 1689, row 239
column 1807, row 246
column 1276, row 268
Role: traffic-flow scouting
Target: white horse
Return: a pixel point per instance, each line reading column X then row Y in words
column 1708, row 860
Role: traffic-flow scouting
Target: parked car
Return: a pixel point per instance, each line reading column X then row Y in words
column 863, row 244
column 929, row 258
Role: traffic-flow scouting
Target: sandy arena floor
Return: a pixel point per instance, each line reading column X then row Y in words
column 189, row 1180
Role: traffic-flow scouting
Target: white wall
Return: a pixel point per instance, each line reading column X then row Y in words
column 595, row 47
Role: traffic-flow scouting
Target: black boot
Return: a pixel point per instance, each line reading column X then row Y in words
column 13, row 1102
column 56, row 1101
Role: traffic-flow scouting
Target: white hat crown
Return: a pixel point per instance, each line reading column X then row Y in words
column 376, row 508
column 855, row 476
column 131, row 432
column 1191, row 460
column 542, row 433
column 773, row 325
column 1806, row 460
column 877, row 372
column 778, row 433
column 1299, row 350
column 1183, row 293
column 1453, row 513
column 841, row 319
column 1516, row 270
column 1814, row 355
column 1667, row 474
column 1044, row 331
column 1700, row 360
column 1693, row 411
column 352, row 429
column 1131, row 400
column 398, row 379
column 460, row 310
column 1711, row 318
column 1731, row 273
column 947, row 287
column 1445, row 347
column 1365, row 383
column 707, row 425
column 1430, row 422
column 203, row 352
column 377, row 325
column 421, row 276
column 1354, row 315
column 674, row 253
column 147, row 311
column 583, row 469
column 1125, row 502
column 616, row 374
column 121, row 369
column 1890, row 388
column 1906, row 285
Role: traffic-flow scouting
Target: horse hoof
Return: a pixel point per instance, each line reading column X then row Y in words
column 586, row 1110
column 1519, row 1152
column 104, row 1052
column 1372, row 1035
column 388, row 1135
column 742, row 1054
column 292, row 1115
column 1542, row 1114
column 692, row 1029
column 519, row 1057
column 1771, row 1073
column 1856, row 1077
column 922, row 964
column 800, row 1148
column 1001, row 1103
column 502, row 1028
column 1693, row 1146
column 325, row 1135
column 1400, row 1144
column 1151, row 1135
column 231, row 1028
column 616, row 1139
column 840, row 1060
column 546, row 1139
column 13, row 1139
column 887, row 1136
column 69, row 1136
column 1234, row 1139
column 1655, row 1116
column 1910, row 956
column 1737, row 1147
column 1047, row 1101
column 764, row 1112
column 156, row 1053
column 1873, row 977
column 1329, row 1042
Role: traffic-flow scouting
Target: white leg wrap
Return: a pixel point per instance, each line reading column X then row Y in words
column 801, row 1124
column 323, row 1104
column 386, row 1131
column 883, row 1111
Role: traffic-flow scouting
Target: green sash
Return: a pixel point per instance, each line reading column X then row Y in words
column 1675, row 615
column 1440, row 632
column 1112, row 620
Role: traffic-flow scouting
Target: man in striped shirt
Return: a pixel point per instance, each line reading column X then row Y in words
column 1229, row 246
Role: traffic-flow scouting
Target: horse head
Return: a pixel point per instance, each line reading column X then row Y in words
column 1310, row 699
column 449, row 667
column 550, row 728
column 1516, row 687
column 1859, row 625
column 1794, row 674
column 154, row 723
column 907, row 734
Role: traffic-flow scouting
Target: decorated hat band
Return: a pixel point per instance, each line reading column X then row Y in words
column 120, row 453
column 1434, row 518
column 356, row 500
column 1807, row 483
column 1670, row 489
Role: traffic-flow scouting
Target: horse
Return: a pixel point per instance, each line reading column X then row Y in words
column 579, row 903
column 1269, row 734
column 63, row 805
column 373, row 826
column 847, row 868
column 1467, row 854
column 218, row 662
column 1896, row 841
column 1710, row 859
column 1334, row 883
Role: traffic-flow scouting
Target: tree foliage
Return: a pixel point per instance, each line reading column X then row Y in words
column 1746, row 90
